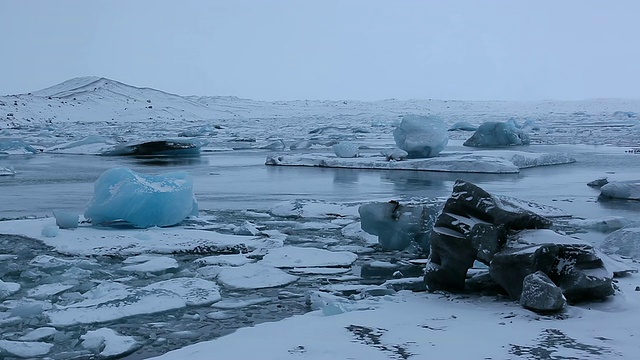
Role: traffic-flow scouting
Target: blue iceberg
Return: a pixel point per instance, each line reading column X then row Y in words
column 141, row 201
column 496, row 134
column 421, row 136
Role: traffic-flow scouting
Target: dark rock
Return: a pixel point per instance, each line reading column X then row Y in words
column 156, row 148
column 571, row 264
column 539, row 293
column 472, row 226
column 598, row 182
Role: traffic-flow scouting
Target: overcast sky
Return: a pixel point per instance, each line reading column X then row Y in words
column 361, row 49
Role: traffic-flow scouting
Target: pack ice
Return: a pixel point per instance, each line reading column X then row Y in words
column 140, row 200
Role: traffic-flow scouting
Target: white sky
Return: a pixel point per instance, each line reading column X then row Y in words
column 330, row 49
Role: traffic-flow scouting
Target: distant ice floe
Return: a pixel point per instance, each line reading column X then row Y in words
column 622, row 190
column 485, row 161
column 89, row 241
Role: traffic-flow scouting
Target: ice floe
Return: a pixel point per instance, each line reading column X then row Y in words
column 108, row 343
column 483, row 161
column 254, row 276
column 24, row 349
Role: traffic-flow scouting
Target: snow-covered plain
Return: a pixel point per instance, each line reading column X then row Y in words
column 284, row 244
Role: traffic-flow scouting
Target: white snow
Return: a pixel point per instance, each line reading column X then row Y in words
column 153, row 264
column 254, row 276
column 313, row 209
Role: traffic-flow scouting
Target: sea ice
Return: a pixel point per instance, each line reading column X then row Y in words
column 622, row 189
column 148, row 263
column 421, row 136
column 108, row 343
column 140, row 200
column 24, row 349
column 38, row 334
column 346, row 150
column 15, row 147
column 193, row 291
column 298, row 257
column 254, row 276
column 229, row 304
column 8, row 289
column 45, row 291
column 624, row 242
column 494, row 134
column 225, row 260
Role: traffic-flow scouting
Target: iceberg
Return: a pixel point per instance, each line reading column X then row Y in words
column 141, row 201
column 346, row 150
column 421, row 136
column 157, row 148
column 495, row 134
column 622, row 190
column 16, row 147
column 66, row 220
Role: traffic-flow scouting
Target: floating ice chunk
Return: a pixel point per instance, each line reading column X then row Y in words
column 108, row 342
column 45, row 291
column 157, row 148
column 89, row 145
column 38, row 334
column 319, row 270
column 24, row 349
column 624, row 242
column 605, row 225
column 622, row 190
column 494, row 134
column 16, row 147
column 313, row 209
column 303, row 144
column 298, row 257
column 276, row 145
column 152, row 264
column 346, row 150
column 421, row 136
column 395, row 154
column 141, row 200
column 246, row 228
column 225, row 260
column 355, row 231
column 50, row 231
column 396, row 225
column 463, row 126
column 5, row 171
column 8, row 289
column 220, row 315
column 254, row 276
column 66, row 220
column 193, row 291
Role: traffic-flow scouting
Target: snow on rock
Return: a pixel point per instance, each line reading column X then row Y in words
column 346, row 150
column 484, row 161
column 152, row 264
column 108, row 343
column 38, row 334
column 140, row 200
column 622, row 190
column 90, row 241
column 7, row 289
column 24, row 349
column 299, row 257
column 313, row 209
column 254, row 276
column 623, row 242
column 225, row 260
column 494, row 134
column 421, row 136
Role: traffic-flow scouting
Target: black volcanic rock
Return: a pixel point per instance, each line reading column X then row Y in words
column 472, row 226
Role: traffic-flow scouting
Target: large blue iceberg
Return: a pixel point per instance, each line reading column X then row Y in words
column 124, row 196
column 421, row 136
column 496, row 134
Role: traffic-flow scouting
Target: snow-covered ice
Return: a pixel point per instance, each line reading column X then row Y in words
column 108, row 343
column 24, row 349
column 622, row 189
column 254, row 276
column 346, row 150
column 299, row 257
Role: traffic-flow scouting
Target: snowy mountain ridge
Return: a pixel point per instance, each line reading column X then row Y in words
column 89, row 103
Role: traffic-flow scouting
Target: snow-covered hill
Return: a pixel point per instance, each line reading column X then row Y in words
column 100, row 106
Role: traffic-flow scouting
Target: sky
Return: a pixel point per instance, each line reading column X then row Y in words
column 330, row 49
